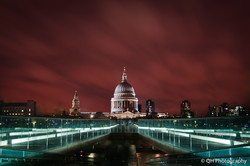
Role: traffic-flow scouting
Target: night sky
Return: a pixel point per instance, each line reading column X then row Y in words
column 173, row 50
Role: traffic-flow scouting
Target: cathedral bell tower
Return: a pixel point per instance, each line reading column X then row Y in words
column 75, row 110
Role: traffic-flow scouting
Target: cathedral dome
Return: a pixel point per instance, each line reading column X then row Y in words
column 124, row 89
column 124, row 97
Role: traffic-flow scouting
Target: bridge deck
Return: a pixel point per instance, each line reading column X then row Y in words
column 24, row 138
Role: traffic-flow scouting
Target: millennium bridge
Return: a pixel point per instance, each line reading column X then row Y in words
column 206, row 141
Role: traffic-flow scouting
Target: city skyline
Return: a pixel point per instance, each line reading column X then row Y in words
column 173, row 51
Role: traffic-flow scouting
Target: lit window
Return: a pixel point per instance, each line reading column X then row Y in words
column 21, row 113
column 29, row 110
column 7, row 110
column 22, row 110
column 3, row 110
column 29, row 113
column 15, row 113
column 18, row 113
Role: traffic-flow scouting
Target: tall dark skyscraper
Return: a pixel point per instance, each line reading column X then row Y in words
column 150, row 106
column 139, row 107
column 186, row 109
column 222, row 110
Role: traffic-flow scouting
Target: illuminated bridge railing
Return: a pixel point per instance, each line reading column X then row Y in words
column 198, row 134
column 233, row 156
column 22, row 135
column 222, row 140
column 44, row 134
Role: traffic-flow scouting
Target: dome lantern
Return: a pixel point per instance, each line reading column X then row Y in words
column 124, row 75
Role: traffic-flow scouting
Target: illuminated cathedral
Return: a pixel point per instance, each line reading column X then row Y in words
column 124, row 100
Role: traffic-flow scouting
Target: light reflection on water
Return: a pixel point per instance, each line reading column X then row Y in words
column 117, row 155
column 118, row 150
column 139, row 159
column 142, row 158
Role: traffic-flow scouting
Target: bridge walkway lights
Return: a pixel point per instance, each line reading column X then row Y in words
column 53, row 133
column 197, row 134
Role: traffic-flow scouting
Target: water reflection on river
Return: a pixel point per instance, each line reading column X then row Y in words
column 118, row 150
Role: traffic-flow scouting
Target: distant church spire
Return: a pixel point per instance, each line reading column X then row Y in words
column 75, row 96
column 124, row 75
column 75, row 110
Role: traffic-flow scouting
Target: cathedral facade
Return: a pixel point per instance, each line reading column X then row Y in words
column 124, row 99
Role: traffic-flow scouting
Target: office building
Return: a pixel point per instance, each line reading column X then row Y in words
column 18, row 109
